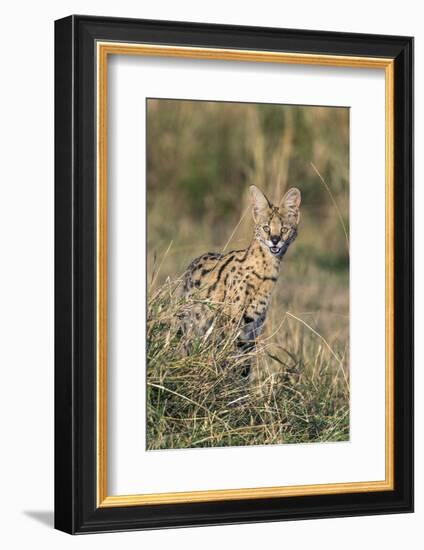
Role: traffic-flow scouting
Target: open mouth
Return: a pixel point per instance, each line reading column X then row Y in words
column 275, row 249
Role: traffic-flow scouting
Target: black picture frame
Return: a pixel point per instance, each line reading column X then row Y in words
column 76, row 509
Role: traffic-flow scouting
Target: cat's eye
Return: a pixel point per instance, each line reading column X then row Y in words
column 266, row 228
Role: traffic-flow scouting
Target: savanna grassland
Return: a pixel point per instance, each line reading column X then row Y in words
column 201, row 159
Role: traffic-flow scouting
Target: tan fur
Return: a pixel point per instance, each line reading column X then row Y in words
column 242, row 281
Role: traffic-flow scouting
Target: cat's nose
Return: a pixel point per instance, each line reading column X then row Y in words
column 275, row 239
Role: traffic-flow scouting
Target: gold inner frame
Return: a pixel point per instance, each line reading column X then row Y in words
column 104, row 49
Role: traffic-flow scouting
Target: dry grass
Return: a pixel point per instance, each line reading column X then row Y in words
column 298, row 390
column 202, row 156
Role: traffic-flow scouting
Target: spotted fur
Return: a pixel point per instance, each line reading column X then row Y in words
column 242, row 281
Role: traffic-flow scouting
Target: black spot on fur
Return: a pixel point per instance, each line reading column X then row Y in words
column 242, row 259
column 264, row 277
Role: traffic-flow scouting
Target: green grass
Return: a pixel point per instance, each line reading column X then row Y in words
column 297, row 392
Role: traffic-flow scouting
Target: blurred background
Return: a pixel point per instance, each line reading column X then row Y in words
column 202, row 157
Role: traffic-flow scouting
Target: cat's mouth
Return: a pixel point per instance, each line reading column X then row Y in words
column 275, row 250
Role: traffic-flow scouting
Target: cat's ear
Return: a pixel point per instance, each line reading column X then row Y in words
column 260, row 203
column 290, row 203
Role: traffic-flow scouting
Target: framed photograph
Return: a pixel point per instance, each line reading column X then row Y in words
column 234, row 274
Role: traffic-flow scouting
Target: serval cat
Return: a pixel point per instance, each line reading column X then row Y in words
column 242, row 281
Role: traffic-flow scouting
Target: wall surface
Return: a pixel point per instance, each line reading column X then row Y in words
column 26, row 289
